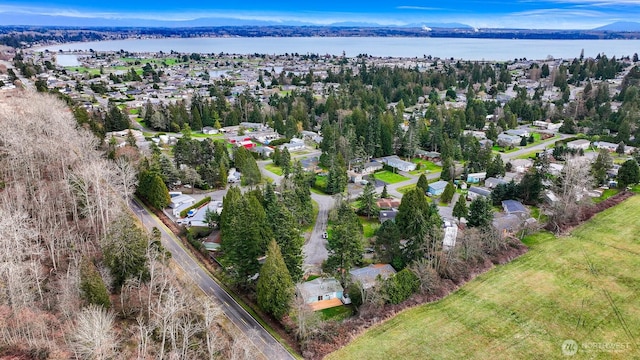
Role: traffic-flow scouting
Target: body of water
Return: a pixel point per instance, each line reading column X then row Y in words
column 471, row 49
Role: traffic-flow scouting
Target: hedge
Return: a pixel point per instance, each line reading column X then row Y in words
column 184, row 212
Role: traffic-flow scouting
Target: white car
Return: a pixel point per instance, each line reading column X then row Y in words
column 325, row 235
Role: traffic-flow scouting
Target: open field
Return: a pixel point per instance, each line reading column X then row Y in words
column 583, row 287
column 389, row 177
column 425, row 166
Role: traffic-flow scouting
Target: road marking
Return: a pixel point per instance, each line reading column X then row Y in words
column 226, row 303
column 244, row 322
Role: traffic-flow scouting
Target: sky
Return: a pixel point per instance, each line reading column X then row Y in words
column 530, row 14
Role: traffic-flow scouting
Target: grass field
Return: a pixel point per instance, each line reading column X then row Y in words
column 274, row 169
column 389, row 177
column 583, row 287
column 369, row 226
column 425, row 166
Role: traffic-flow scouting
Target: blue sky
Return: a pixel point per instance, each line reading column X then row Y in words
column 556, row 14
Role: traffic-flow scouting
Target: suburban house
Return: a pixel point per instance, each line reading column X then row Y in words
column 319, row 290
column 209, row 130
column 579, row 144
column 428, row 155
column 395, row 162
column 521, row 165
column 508, row 140
column 180, row 200
column 518, row 132
column 475, row 192
column 475, row 178
column 507, row 224
column 486, row 143
column 264, row 136
column 237, row 139
column 368, row 276
column 493, row 182
column 388, row 203
column 450, row 235
column 263, row 151
column 547, row 125
column 253, row 126
column 606, row 145
column 247, row 144
column 480, row 135
column 385, row 215
column 371, row 167
column 437, row 188
column 514, row 207
column 292, row 146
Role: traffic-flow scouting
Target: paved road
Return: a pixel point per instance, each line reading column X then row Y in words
column 267, row 344
column 315, row 247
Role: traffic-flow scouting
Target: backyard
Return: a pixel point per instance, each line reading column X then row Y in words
column 425, row 167
column 582, row 288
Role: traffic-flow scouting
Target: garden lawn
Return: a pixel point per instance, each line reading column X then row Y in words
column 274, row 169
column 425, row 166
column 369, row 226
column 389, row 177
column 406, row 188
column 584, row 287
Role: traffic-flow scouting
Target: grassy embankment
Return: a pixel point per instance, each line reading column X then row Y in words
column 584, row 287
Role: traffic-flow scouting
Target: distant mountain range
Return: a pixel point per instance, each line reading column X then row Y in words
column 620, row 26
column 47, row 20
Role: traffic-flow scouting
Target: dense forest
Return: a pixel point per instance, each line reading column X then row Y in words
column 80, row 277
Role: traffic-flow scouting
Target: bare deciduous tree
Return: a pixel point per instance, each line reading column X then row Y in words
column 94, row 336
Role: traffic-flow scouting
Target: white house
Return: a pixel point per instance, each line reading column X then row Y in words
column 320, row 289
column 475, row 192
column 209, row 130
column 521, row 165
column 508, row 140
column 396, row 162
column 579, row 144
column 518, row 132
column 179, row 200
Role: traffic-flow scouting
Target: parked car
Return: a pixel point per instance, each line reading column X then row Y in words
column 325, row 235
column 192, row 212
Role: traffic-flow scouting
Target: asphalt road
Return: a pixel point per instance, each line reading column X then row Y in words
column 267, row 344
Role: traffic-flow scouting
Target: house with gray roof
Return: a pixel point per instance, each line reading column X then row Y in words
column 368, row 276
column 320, row 289
column 437, row 188
column 395, row 162
column 475, row 192
column 508, row 140
column 492, row 182
column 514, row 207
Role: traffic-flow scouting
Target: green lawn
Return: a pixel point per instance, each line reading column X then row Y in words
column 207, row 136
column 336, row 313
column 583, row 287
column 274, row 169
column 606, row 194
column 389, row 177
column 425, row 166
column 406, row 188
column 369, row 226
column 321, row 182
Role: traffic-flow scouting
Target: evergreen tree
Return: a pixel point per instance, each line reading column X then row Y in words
column 628, row 174
column 601, row 165
column 447, row 194
column 153, row 189
column 345, row 243
column 423, row 184
column 248, row 167
column 94, row 291
column 385, row 193
column 460, row 209
column 448, row 170
column 285, row 231
column 496, row 167
column 480, row 213
column 125, row 251
column 530, row 187
column 285, row 162
column 367, row 201
column 275, row 288
column 387, row 245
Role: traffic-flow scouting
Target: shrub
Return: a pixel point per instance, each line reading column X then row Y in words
column 184, row 212
column 94, row 291
column 399, row 287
